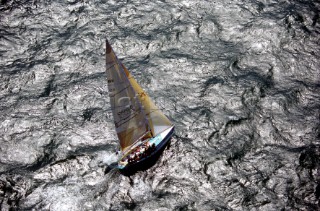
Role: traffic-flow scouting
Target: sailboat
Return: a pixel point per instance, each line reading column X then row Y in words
column 142, row 129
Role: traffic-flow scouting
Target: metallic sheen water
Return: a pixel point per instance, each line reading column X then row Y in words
column 239, row 79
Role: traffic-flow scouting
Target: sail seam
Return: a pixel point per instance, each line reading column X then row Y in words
column 110, row 66
column 119, row 91
column 127, row 119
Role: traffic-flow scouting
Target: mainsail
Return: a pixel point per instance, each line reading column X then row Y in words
column 135, row 115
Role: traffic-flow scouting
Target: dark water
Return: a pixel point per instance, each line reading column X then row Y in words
column 239, row 79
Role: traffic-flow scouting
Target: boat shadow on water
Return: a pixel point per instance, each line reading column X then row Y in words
column 142, row 165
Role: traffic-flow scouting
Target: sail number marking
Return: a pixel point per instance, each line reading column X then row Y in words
column 125, row 112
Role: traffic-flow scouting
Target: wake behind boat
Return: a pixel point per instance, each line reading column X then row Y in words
column 143, row 130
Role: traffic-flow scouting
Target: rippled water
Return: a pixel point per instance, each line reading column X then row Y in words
column 239, row 79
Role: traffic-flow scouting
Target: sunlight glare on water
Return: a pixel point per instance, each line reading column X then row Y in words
column 240, row 81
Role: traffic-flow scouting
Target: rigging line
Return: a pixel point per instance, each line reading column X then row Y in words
column 119, row 91
column 107, row 68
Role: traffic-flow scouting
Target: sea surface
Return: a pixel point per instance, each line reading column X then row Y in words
column 239, row 79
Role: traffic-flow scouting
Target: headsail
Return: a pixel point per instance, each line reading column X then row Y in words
column 135, row 115
column 157, row 120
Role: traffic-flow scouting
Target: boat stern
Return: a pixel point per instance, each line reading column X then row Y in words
column 145, row 150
